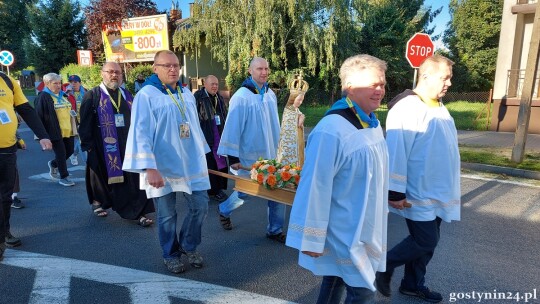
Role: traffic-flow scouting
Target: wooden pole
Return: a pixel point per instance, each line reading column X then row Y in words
column 489, row 108
column 524, row 116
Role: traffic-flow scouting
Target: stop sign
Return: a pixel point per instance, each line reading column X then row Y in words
column 419, row 47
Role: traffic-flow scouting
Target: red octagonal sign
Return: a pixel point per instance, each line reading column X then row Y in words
column 419, row 47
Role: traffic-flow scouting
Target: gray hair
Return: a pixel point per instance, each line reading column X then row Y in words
column 358, row 63
column 48, row 78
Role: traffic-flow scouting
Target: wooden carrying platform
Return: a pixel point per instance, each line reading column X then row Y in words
column 248, row 186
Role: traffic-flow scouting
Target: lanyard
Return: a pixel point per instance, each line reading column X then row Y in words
column 351, row 106
column 215, row 99
column 117, row 105
column 182, row 109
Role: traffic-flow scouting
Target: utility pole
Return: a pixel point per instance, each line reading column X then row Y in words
column 531, row 70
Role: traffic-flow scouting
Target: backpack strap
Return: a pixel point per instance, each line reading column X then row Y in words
column 348, row 115
column 7, row 81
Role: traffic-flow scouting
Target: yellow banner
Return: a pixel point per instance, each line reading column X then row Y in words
column 135, row 39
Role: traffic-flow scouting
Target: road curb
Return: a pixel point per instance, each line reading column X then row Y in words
column 501, row 170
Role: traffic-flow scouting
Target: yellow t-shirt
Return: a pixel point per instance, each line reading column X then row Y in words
column 8, row 119
column 431, row 103
column 62, row 108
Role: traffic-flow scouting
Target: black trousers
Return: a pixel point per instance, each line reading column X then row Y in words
column 217, row 183
column 8, row 165
column 63, row 148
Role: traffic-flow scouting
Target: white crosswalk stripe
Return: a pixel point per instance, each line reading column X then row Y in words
column 53, row 275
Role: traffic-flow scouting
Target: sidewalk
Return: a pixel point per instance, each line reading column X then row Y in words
column 493, row 139
column 502, row 140
column 496, row 139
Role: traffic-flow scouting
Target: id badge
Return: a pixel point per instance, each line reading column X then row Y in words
column 119, row 120
column 184, row 130
column 4, row 117
column 72, row 113
column 218, row 119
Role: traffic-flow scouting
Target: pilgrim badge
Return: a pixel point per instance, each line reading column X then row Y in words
column 4, row 117
column 119, row 120
column 184, row 130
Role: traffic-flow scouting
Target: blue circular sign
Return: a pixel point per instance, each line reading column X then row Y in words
column 6, row 58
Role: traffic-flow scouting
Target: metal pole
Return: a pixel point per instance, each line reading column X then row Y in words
column 414, row 80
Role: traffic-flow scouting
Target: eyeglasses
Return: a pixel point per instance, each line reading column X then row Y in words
column 112, row 72
column 168, row 66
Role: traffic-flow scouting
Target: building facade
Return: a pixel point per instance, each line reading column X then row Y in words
column 515, row 38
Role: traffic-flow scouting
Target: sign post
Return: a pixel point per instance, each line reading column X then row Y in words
column 419, row 47
column 6, row 59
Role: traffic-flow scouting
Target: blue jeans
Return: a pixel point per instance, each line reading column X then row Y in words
column 77, row 149
column 173, row 244
column 332, row 289
column 415, row 252
column 276, row 211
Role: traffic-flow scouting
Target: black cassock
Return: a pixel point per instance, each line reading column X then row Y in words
column 125, row 198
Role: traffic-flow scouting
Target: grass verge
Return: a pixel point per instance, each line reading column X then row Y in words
column 498, row 157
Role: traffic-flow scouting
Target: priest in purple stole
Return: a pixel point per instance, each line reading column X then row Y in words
column 105, row 119
column 212, row 115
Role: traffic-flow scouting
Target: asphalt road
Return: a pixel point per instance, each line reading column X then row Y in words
column 71, row 256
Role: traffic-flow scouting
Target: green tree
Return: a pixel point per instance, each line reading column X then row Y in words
column 13, row 29
column 290, row 34
column 386, row 27
column 473, row 40
column 57, row 32
column 309, row 35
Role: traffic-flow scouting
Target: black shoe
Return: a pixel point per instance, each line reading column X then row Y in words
column 16, row 203
column 12, row 241
column 2, row 249
column 220, row 197
column 382, row 282
column 280, row 237
column 423, row 293
column 225, row 222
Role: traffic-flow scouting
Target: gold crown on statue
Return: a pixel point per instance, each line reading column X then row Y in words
column 298, row 83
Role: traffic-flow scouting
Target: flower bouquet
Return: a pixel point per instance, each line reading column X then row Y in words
column 273, row 175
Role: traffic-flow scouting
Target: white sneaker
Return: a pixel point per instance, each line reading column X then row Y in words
column 74, row 160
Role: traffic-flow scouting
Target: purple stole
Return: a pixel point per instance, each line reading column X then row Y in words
column 111, row 149
column 220, row 160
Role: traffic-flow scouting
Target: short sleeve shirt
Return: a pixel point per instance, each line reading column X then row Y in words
column 8, row 119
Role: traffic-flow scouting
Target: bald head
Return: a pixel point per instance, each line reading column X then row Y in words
column 259, row 71
column 211, row 84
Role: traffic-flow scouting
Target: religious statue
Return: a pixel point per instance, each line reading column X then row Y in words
column 291, row 140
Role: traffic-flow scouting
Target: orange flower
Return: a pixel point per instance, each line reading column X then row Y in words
column 285, row 176
column 286, row 167
column 297, row 179
column 260, row 178
column 271, row 169
column 271, row 180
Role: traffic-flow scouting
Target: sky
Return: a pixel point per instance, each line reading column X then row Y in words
column 440, row 22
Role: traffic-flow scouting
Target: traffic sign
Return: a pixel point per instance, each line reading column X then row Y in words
column 419, row 47
column 6, row 58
